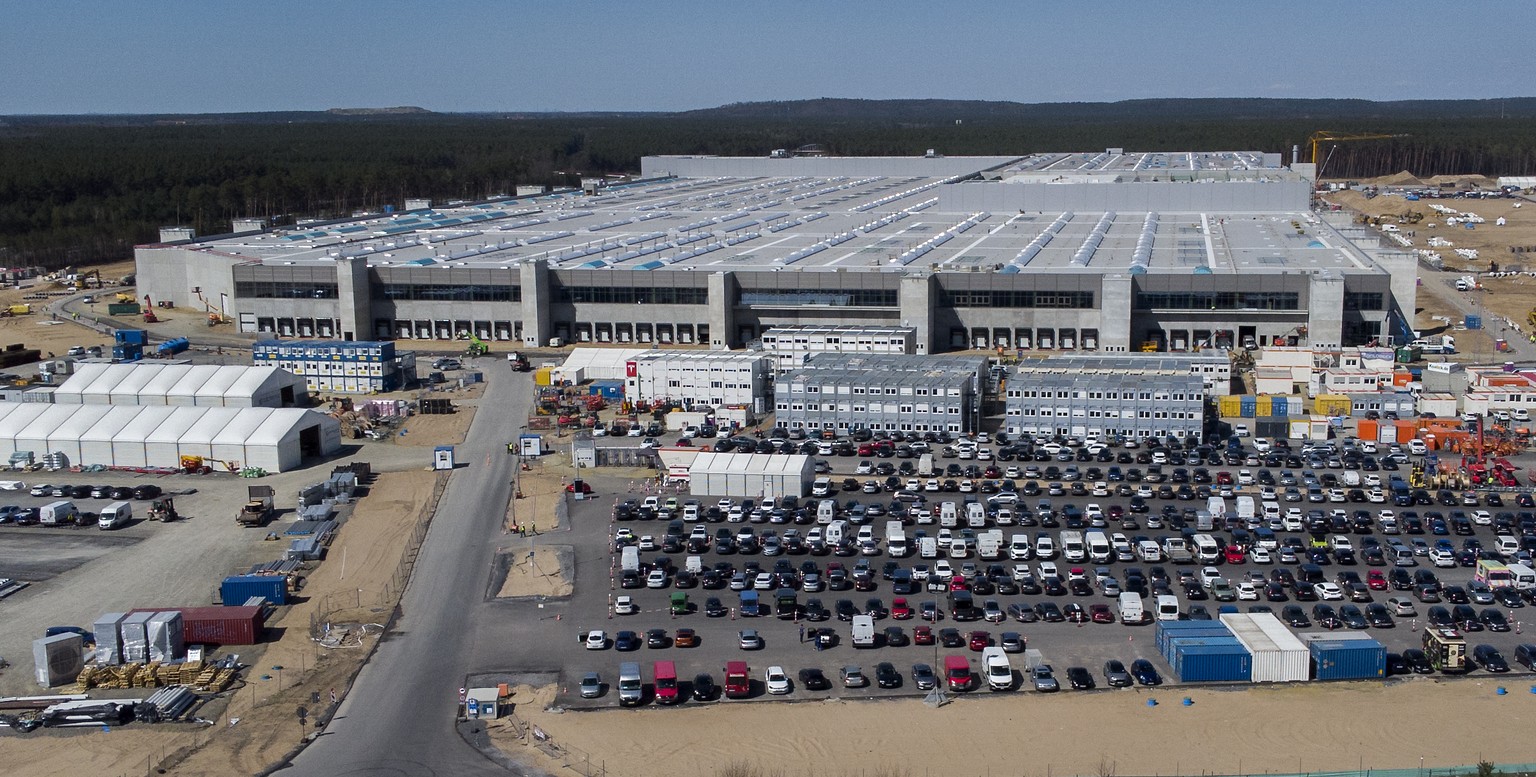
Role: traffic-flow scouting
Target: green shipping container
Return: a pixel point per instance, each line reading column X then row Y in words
column 124, row 309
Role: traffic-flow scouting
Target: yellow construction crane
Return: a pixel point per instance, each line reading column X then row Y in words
column 1325, row 136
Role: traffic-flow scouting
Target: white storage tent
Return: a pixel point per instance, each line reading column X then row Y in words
column 129, row 448
column 229, row 443
column 96, row 442
column 65, row 438
column 198, row 439
column 181, row 385
column 760, row 476
column 129, row 436
column 164, row 441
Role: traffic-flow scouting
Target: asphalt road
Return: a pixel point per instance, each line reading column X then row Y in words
column 399, row 717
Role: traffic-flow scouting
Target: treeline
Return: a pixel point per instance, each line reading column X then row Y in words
column 74, row 193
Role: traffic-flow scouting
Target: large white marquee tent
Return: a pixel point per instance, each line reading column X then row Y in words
column 190, row 385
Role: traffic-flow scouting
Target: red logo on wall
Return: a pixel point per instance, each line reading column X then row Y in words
column 629, row 369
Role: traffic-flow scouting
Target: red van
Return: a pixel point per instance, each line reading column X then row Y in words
column 957, row 671
column 666, row 683
column 738, row 681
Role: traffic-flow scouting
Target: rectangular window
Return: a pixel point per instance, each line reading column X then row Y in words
column 1218, row 300
column 660, row 295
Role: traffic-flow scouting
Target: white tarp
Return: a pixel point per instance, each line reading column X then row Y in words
column 230, row 442
column 198, row 439
column 69, row 392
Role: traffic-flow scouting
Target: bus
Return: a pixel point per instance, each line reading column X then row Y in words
column 1494, row 573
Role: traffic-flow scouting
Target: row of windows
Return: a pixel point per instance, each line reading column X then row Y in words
column 1218, row 300
column 889, row 391
column 712, row 384
column 1126, row 433
column 1061, row 412
column 1364, row 300
column 1021, row 299
column 832, row 408
column 663, row 295
column 889, row 426
column 858, row 298
column 464, row 292
column 285, row 290
column 1161, row 396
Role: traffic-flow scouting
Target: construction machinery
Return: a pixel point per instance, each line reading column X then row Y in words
column 163, row 510
column 83, row 280
column 149, row 311
column 194, row 465
column 1326, row 136
column 476, row 347
column 124, row 297
column 1530, row 318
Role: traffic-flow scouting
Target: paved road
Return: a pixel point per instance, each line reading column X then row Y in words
column 398, row 718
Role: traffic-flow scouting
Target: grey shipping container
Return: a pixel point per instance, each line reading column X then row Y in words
column 109, row 645
column 1355, row 659
column 1212, row 663
column 135, row 634
column 58, row 659
column 165, row 636
column 235, row 590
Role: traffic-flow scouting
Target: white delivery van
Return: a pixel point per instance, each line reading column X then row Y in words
column 1072, row 548
column 826, row 511
column 925, row 465
column 629, row 559
column 1099, row 549
column 1131, row 611
column 1245, row 512
column 836, row 531
column 115, row 515
column 975, row 515
column 863, row 631
column 1524, row 577
column 896, row 539
column 1167, row 607
column 694, row 565
column 1019, row 548
column 928, row 547
column 631, row 692
column 822, row 487
column 949, row 515
column 58, row 513
column 999, row 672
column 1206, row 549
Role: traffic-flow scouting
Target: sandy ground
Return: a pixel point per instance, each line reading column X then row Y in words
column 541, row 491
column 1241, row 731
column 364, row 556
column 37, row 330
column 1492, row 242
column 430, row 430
column 544, row 575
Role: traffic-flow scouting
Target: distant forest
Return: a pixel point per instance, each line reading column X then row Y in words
column 83, row 189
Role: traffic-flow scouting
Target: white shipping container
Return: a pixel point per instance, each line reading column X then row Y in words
column 1278, row 656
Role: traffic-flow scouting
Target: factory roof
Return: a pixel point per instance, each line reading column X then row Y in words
column 1083, row 379
column 834, row 223
column 1126, row 362
column 940, row 377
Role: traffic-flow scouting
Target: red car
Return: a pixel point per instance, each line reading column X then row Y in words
column 1116, row 511
column 1375, row 580
column 1235, row 554
column 1100, row 613
column 900, row 610
column 1223, row 478
column 922, row 635
column 580, row 485
column 958, row 583
column 980, row 640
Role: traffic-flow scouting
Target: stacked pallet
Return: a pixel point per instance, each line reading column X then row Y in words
column 154, row 675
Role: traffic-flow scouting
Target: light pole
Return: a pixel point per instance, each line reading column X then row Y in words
column 279, row 669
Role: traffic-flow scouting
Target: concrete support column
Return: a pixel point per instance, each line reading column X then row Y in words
column 722, row 311
column 354, row 297
column 1404, row 268
column 1116, row 309
column 537, row 298
column 915, row 299
column 1325, row 310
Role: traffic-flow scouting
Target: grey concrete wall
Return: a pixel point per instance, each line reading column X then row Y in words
column 354, row 295
column 1325, row 308
column 170, row 273
column 707, row 167
column 722, row 310
column 536, row 302
column 917, row 307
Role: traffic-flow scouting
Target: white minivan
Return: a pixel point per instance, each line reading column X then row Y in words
column 115, row 515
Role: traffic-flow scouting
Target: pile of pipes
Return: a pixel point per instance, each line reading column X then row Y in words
column 165, row 704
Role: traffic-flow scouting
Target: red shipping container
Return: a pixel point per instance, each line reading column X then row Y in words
column 217, row 625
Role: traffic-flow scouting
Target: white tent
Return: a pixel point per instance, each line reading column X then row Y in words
column 128, row 447
column 138, row 436
column 159, row 387
column 211, row 393
column 182, row 385
column 65, row 438
column 131, row 386
column 762, row 476
column 68, row 392
column 184, row 393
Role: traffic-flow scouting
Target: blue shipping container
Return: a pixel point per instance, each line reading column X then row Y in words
column 237, row 589
column 1363, row 659
column 1474, row 322
column 1213, row 664
column 1222, row 638
column 1168, row 630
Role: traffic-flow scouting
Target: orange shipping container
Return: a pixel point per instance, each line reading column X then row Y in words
column 1367, row 429
column 1401, row 378
column 1405, row 431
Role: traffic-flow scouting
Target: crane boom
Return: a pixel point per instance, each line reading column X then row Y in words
column 1324, row 136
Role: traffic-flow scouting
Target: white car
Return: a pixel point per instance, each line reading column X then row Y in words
column 777, row 681
column 1247, row 592
column 624, row 605
column 1482, row 518
column 656, row 579
column 650, row 442
column 647, row 542
column 1207, row 574
column 41, row 489
column 597, row 639
column 1259, row 554
column 1442, row 558
column 1328, row 592
column 12, row 485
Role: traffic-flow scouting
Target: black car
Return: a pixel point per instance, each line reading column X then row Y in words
column 1295, row 617
column 1396, row 665
column 714, row 608
column 1145, row 673
column 886, row 675
column 1417, row 661
column 146, row 492
column 1080, row 679
column 813, row 679
column 1489, row 658
column 951, row 638
column 657, row 638
column 1115, row 675
column 895, row 637
column 1494, row 619
column 626, row 640
column 704, row 688
column 1525, row 655
column 1326, row 617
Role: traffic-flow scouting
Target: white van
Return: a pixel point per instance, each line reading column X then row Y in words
column 949, row 515
column 1206, row 549
column 822, row 487
column 1072, row 548
column 975, row 515
column 836, row 531
column 115, row 515
column 928, row 547
column 994, row 664
column 58, row 513
column 1045, row 547
column 862, row 631
column 1019, row 548
column 1523, row 576
column 1099, row 549
column 826, row 511
column 1167, row 607
column 1131, row 611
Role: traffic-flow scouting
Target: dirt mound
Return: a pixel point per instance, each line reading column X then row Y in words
column 1403, row 178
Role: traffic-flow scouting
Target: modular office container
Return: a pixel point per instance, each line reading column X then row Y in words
column 1167, row 630
column 338, row 366
column 1353, row 659
column 1278, row 656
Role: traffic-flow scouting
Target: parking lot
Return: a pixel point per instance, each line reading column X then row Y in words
column 1135, row 496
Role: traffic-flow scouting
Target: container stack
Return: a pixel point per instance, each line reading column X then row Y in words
column 217, row 625
column 1345, row 656
column 335, row 366
column 1278, row 656
column 236, row 589
column 1332, row 405
column 1203, row 651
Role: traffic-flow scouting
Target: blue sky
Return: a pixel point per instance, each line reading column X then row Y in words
column 117, row 56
